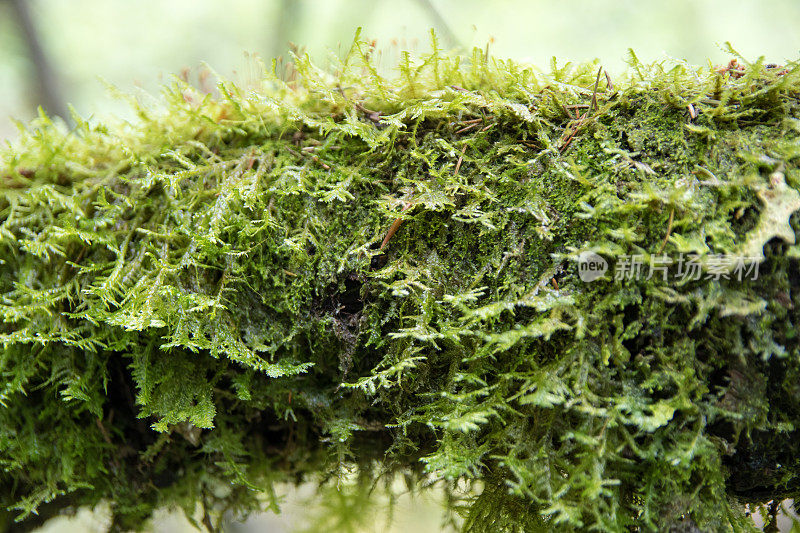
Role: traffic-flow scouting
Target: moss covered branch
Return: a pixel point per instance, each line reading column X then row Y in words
column 349, row 271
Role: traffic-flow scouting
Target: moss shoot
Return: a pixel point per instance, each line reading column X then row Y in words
column 347, row 277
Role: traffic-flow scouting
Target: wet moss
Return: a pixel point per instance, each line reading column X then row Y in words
column 205, row 304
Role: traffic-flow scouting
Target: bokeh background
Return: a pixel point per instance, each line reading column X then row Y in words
column 57, row 53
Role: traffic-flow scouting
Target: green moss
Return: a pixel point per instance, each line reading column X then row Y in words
column 198, row 306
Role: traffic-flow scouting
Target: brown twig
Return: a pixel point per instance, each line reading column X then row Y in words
column 320, row 162
column 594, row 93
column 609, row 83
column 570, row 133
column 572, row 130
column 473, row 123
column 467, row 128
column 374, row 116
column 394, row 227
column 669, row 230
column 565, row 145
column 399, row 220
column 460, row 160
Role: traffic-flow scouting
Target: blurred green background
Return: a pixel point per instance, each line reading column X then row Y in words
column 140, row 44
column 59, row 52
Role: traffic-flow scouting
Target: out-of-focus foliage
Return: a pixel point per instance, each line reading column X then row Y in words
column 139, row 44
column 207, row 302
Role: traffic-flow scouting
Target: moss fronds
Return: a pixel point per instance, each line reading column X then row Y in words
column 207, row 303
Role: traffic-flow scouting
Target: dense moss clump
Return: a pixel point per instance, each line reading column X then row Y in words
column 350, row 277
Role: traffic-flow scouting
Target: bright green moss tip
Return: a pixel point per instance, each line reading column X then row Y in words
column 351, row 277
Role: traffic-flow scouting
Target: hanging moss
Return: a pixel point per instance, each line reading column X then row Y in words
column 347, row 272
